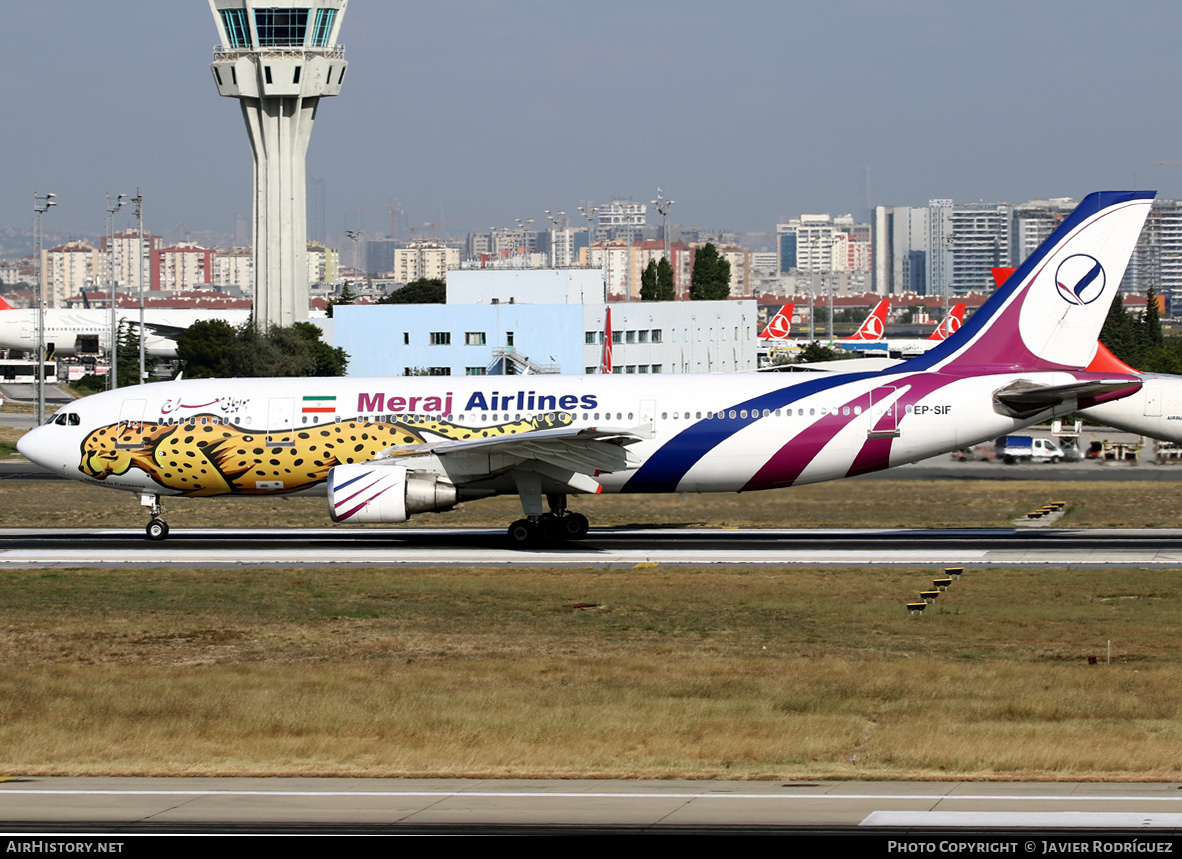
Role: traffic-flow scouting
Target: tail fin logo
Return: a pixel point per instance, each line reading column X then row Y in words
column 873, row 329
column 1080, row 279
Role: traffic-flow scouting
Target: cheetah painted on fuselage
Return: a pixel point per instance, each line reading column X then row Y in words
column 202, row 456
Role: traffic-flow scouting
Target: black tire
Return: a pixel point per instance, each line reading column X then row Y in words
column 575, row 526
column 157, row 529
column 522, row 533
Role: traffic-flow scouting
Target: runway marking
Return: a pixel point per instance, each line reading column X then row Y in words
column 1025, row 819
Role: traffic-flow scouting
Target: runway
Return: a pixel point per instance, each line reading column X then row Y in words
column 605, row 547
column 1148, row 813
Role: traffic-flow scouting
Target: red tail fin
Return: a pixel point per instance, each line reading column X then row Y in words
column 605, row 360
column 950, row 324
column 4, row 305
column 875, row 325
column 780, row 326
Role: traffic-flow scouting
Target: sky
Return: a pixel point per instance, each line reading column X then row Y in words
column 475, row 113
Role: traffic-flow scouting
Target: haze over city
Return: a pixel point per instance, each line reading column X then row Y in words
column 474, row 114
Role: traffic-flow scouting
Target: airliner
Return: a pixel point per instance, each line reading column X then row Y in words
column 779, row 329
column 1155, row 410
column 907, row 348
column 69, row 330
column 385, row 449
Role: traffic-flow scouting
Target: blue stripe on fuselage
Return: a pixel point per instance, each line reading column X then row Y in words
column 663, row 471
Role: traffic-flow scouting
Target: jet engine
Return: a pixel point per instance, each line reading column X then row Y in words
column 370, row 493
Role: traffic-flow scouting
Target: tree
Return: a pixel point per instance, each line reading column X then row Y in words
column 129, row 356
column 665, row 290
column 216, row 350
column 347, row 296
column 711, row 277
column 426, row 290
column 327, row 360
column 206, row 350
column 648, row 282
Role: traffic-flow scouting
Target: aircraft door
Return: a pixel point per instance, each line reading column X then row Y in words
column 131, row 424
column 281, row 421
column 648, row 412
column 884, row 417
column 1153, row 402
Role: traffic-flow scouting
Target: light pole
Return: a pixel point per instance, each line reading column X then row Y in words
column 40, row 207
column 523, row 225
column 139, row 214
column 663, row 207
column 555, row 218
column 588, row 212
column 113, row 371
column 355, row 237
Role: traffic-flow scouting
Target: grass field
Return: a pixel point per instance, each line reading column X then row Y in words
column 870, row 503
column 650, row 672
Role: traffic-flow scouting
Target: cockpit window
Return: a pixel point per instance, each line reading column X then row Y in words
column 60, row 419
column 66, row 419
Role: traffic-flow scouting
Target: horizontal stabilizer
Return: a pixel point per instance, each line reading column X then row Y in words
column 1024, row 399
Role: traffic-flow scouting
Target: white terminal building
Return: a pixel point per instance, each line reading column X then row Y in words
column 506, row 322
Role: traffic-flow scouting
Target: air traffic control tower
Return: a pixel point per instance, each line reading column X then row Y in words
column 278, row 62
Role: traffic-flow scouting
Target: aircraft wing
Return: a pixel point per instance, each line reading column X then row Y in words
column 577, row 453
column 168, row 332
column 1023, row 399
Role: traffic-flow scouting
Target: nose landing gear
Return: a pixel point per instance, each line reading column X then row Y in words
column 157, row 528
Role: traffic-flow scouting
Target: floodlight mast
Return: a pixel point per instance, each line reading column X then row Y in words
column 41, row 205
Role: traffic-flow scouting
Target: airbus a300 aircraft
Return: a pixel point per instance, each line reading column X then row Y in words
column 67, row 330
column 386, row 448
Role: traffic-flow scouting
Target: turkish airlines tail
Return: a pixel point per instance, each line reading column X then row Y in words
column 875, row 325
column 950, row 324
column 780, row 326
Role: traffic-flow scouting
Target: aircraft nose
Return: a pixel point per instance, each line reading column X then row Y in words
column 37, row 446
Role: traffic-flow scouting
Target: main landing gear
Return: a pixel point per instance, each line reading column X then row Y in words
column 557, row 526
column 157, row 528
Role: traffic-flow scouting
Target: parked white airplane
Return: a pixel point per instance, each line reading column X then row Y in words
column 68, row 330
column 1155, row 410
column 779, row 329
column 386, row 448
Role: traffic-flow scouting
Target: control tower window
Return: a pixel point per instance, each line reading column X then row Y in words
column 278, row 28
column 324, row 19
column 234, row 20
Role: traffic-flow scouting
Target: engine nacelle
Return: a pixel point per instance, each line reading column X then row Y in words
column 371, row 493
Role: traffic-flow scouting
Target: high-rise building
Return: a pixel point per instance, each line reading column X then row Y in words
column 279, row 62
column 980, row 242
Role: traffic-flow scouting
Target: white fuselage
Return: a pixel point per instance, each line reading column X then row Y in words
column 709, row 433
column 64, row 328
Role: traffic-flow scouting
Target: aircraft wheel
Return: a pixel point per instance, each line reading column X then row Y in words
column 521, row 533
column 575, row 526
column 157, row 529
column 551, row 529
